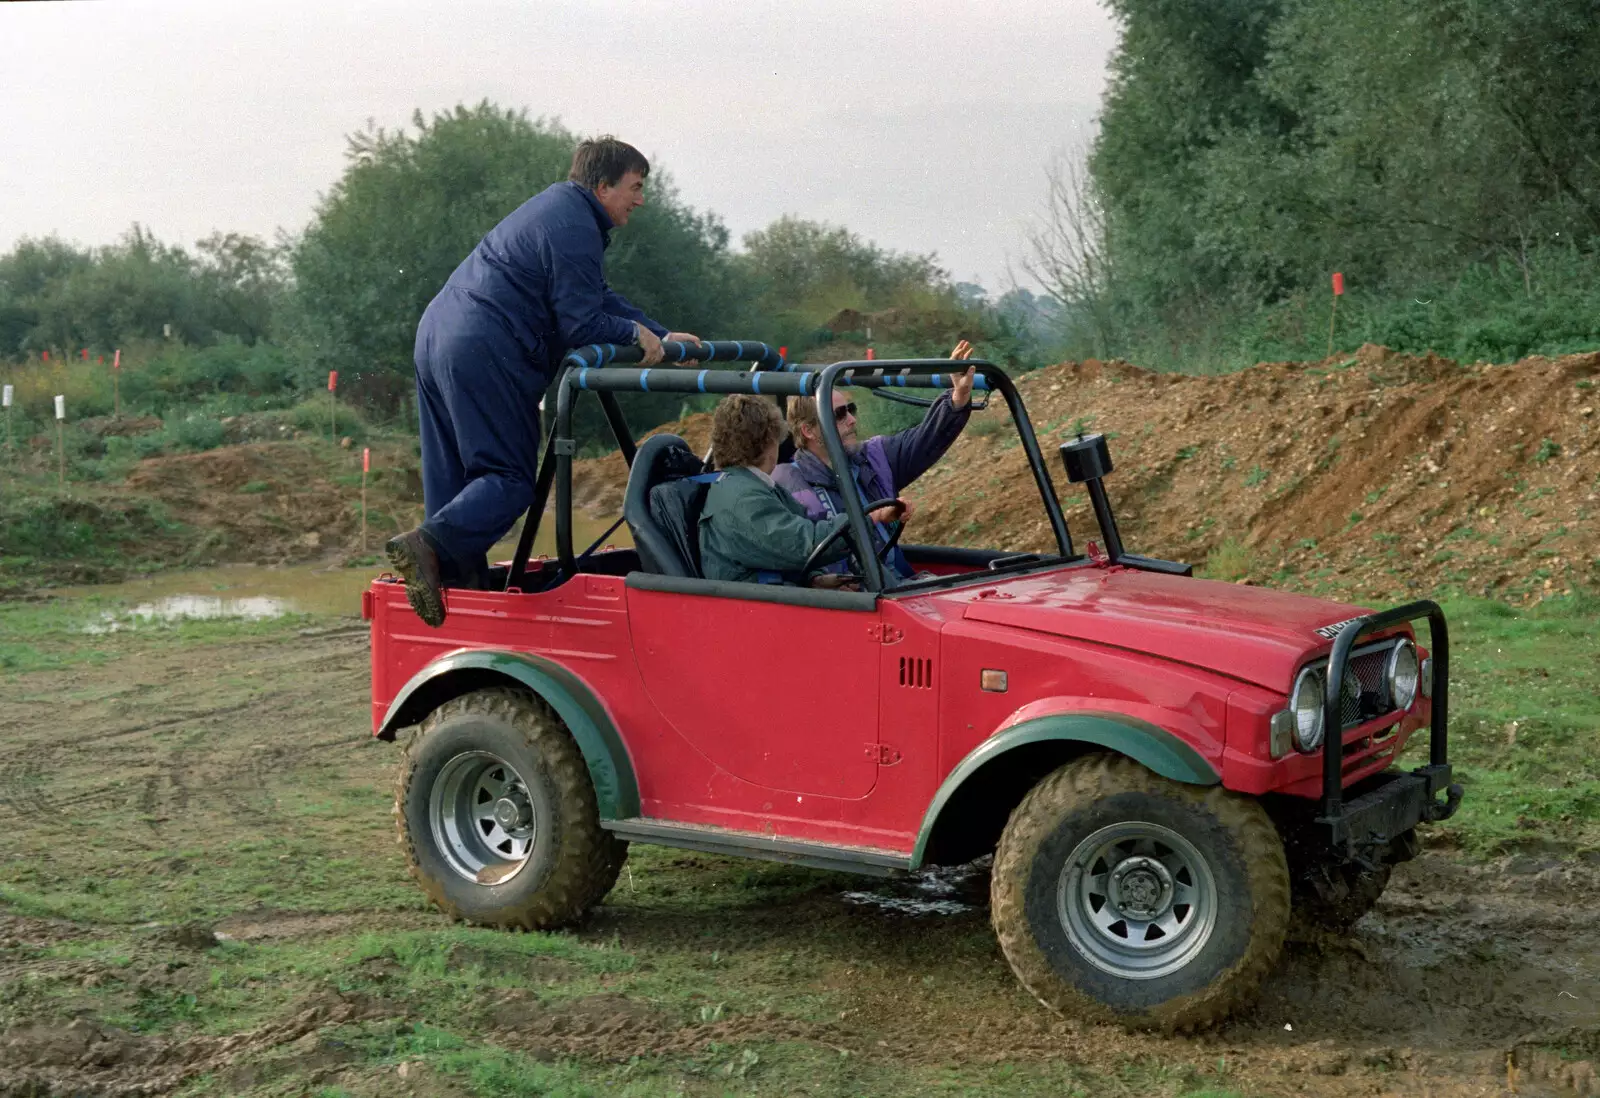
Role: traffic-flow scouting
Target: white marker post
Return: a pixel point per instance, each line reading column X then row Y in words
column 5, row 398
column 61, row 442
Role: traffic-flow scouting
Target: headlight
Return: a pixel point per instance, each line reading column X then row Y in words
column 1305, row 702
column 1402, row 675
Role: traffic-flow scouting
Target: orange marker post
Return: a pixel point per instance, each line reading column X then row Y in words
column 1338, row 292
column 333, row 406
column 116, row 388
column 366, row 467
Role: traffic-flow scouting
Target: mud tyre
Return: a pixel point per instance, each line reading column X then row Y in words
column 1121, row 896
column 497, row 815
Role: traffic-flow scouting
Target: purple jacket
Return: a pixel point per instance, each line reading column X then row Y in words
column 883, row 466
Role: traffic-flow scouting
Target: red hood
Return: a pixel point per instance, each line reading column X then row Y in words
column 1251, row 633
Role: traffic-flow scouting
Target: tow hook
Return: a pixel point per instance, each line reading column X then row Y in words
column 1452, row 801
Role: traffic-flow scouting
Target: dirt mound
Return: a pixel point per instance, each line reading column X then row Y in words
column 1380, row 473
column 273, row 503
column 1393, row 473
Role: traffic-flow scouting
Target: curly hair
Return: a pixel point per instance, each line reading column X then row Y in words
column 742, row 428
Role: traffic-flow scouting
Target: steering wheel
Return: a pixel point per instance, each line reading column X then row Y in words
column 821, row 550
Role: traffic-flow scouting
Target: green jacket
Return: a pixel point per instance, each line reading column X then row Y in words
column 748, row 526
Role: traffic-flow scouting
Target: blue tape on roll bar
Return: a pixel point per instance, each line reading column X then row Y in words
column 644, row 380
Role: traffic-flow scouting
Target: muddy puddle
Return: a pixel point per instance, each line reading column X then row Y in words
column 254, row 592
column 935, row 891
column 190, row 608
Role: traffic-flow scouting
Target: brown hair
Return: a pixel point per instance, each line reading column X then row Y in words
column 606, row 160
column 742, row 428
column 803, row 412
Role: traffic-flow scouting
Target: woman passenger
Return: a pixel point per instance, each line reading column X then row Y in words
column 752, row 531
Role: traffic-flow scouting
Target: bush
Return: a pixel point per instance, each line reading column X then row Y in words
column 311, row 415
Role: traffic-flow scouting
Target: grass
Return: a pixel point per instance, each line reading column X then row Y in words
column 1525, row 724
column 1230, row 561
column 58, row 634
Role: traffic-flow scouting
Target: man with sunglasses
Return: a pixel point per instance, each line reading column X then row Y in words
column 882, row 467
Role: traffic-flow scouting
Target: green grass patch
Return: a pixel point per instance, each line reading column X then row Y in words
column 1525, row 723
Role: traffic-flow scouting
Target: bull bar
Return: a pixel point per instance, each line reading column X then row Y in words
column 1401, row 800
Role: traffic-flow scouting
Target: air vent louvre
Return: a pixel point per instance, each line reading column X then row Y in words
column 916, row 673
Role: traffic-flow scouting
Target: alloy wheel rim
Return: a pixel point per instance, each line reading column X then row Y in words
column 482, row 817
column 1137, row 900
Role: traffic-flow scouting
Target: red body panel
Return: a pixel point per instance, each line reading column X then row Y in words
column 839, row 726
column 1250, row 633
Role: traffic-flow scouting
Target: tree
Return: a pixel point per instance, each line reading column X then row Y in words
column 1067, row 252
column 1247, row 149
column 802, row 273
column 55, row 295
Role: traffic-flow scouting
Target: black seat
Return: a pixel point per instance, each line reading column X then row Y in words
column 662, row 506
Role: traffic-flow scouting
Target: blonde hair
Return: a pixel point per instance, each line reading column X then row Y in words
column 802, row 412
column 742, row 428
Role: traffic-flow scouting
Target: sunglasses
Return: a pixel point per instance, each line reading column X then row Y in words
column 844, row 410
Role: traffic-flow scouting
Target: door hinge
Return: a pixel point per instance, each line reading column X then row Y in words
column 884, row 633
column 883, row 754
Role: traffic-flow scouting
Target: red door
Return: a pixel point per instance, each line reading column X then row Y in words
column 782, row 696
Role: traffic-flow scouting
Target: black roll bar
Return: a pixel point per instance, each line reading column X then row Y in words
column 591, row 369
column 556, row 466
column 903, row 373
column 1338, row 659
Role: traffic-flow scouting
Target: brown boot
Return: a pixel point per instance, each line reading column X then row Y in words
column 412, row 556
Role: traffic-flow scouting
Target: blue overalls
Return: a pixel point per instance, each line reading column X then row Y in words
column 488, row 346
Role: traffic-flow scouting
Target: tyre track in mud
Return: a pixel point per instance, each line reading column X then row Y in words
column 221, row 731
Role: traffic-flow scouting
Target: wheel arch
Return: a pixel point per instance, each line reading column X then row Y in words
column 972, row 805
column 610, row 769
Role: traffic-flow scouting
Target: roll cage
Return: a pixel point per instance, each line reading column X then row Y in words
column 604, row 370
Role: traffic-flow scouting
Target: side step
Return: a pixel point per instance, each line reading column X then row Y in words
column 750, row 844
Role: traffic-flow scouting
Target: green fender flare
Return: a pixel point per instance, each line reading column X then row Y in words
column 1143, row 742
column 615, row 788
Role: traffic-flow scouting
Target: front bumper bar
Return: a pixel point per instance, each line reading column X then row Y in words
column 1403, row 800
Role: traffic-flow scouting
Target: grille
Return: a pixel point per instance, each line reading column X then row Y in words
column 1366, row 688
column 915, row 672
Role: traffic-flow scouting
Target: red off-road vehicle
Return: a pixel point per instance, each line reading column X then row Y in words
column 1162, row 766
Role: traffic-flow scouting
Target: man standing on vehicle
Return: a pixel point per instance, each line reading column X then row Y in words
column 490, row 343
column 883, row 466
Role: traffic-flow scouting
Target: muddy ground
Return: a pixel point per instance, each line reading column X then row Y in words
column 200, row 893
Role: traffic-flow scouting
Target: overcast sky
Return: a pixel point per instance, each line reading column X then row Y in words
column 923, row 125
